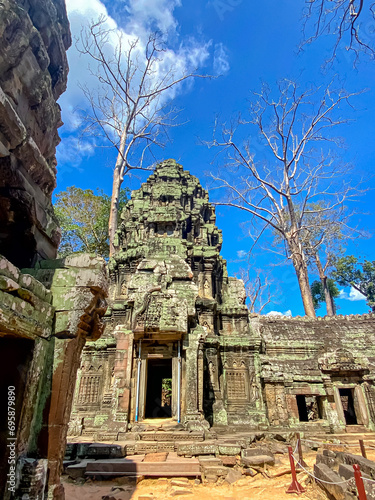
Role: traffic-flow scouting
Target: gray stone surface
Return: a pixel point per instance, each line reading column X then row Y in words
column 338, row 491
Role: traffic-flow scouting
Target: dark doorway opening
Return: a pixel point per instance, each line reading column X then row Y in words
column 15, row 358
column 309, row 408
column 302, row 408
column 347, row 401
column 159, row 388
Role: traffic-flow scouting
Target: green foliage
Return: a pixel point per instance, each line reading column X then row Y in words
column 83, row 217
column 317, row 291
column 167, row 387
column 360, row 275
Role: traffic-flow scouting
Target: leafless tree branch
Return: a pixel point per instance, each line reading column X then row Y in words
column 301, row 179
column 130, row 108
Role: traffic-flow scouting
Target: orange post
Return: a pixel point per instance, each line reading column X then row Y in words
column 299, row 447
column 295, row 487
column 363, row 449
column 359, row 483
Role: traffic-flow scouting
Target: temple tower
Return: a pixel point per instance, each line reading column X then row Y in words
column 166, row 351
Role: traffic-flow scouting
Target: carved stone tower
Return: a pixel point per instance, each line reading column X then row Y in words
column 175, row 318
column 180, row 343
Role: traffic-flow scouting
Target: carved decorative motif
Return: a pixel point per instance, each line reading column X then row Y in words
column 342, row 360
column 237, row 387
column 89, row 388
column 370, row 395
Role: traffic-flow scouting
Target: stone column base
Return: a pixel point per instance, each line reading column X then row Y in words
column 195, row 421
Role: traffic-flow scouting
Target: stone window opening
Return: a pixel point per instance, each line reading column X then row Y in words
column 309, row 408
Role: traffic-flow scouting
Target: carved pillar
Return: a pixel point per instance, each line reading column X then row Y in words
column 219, row 413
column 200, row 375
column 78, row 295
column 369, row 388
column 194, row 418
column 332, row 406
column 191, row 356
column 122, row 375
column 66, row 363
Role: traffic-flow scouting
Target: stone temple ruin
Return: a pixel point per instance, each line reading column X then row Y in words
column 176, row 319
column 179, row 344
column 49, row 307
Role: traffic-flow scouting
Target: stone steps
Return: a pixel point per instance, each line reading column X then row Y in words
column 171, row 436
column 355, row 429
column 137, row 465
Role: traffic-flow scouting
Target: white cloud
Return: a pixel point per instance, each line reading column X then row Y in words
column 221, row 59
column 278, row 313
column 241, row 254
column 354, row 295
column 134, row 19
column 152, row 14
column 142, row 17
column 72, row 151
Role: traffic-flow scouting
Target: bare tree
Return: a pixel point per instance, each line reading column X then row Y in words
column 258, row 289
column 350, row 22
column 130, row 106
column 322, row 239
column 299, row 179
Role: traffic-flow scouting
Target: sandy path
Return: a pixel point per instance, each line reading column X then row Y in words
column 247, row 488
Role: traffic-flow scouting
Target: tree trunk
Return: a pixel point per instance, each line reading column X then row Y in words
column 327, row 295
column 300, row 267
column 113, row 214
column 116, row 186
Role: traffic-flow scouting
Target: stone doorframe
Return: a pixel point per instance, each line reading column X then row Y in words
column 359, row 397
column 170, row 353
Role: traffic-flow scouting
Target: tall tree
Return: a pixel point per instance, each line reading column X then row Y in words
column 350, row 24
column 360, row 275
column 323, row 235
column 130, row 106
column 83, row 217
column 319, row 293
column 299, row 170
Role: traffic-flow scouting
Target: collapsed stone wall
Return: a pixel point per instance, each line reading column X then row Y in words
column 47, row 314
column 33, row 74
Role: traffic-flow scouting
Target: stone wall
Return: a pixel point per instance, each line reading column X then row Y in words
column 47, row 314
column 315, row 359
column 34, row 38
column 49, row 308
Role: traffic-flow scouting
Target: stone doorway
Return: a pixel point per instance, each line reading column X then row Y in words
column 15, row 359
column 348, row 406
column 159, row 389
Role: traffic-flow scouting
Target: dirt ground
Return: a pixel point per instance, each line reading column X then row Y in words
column 246, row 488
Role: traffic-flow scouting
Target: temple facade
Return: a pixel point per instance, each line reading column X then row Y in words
column 180, row 343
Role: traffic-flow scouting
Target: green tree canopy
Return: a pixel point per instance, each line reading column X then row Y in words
column 318, row 292
column 360, row 275
column 83, row 216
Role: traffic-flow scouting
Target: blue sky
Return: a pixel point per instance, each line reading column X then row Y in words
column 247, row 44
